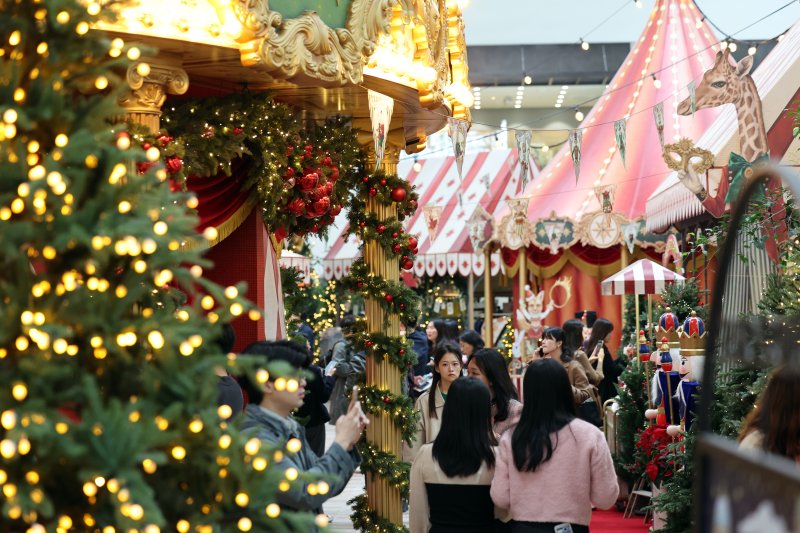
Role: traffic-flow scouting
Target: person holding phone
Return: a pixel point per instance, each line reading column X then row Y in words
column 603, row 359
column 268, row 417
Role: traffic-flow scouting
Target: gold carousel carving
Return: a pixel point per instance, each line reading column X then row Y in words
column 306, row 45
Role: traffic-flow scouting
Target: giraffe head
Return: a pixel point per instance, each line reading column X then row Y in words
column 722, row 84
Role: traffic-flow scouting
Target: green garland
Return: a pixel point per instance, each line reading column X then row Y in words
column 393, row 297
column 392, row 349
column 366, row 519
column 386, row 465
column 303, row 175
column 399, row 407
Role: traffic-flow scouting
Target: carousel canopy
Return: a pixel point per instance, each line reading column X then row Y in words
column 676, row 47
column 642, row 277
column 778, row 82
column 489, row 177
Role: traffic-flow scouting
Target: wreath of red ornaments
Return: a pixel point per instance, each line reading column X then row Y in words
column 387, row 189
column 310, row 199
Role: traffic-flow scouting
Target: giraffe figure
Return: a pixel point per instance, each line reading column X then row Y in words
column 727, row 83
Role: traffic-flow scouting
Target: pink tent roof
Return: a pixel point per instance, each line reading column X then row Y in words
column 642, row 277
column 777, row 79
column 489, row 177
column 677, row 46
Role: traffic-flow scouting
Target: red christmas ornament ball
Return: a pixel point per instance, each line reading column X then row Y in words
column 388, row 297
column 383, row 181
column 394, row 235
column 380, row 229
column 368, row 344
column 398, row 194
column 396, row 248
column 365, row 179
column 373, row 191
column 408, row 264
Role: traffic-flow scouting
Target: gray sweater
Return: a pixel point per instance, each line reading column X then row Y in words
column 336, row 466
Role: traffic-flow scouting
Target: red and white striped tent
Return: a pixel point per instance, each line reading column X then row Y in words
column 642, row 277
column 489, row 177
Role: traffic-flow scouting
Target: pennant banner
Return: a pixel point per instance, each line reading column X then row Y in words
column 620, row 135
column 380, row 112
column 481, row 229
column 432, row 214
column 692, row 94
column 524, row 150
column 658, row 115
column 458, row 134
column 575, row 149
column 629, row 232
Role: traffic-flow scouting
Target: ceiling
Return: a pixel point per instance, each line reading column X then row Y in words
column 536, row 96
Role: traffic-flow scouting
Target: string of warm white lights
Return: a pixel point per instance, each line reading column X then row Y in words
column 653, row 75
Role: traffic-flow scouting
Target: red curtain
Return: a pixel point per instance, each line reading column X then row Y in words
column 221, row 197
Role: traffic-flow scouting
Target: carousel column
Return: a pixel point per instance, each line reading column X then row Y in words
column 383, row 498
column 150, row 82
column 488, row 300
column 623, row 265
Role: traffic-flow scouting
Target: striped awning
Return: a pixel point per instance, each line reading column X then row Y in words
column 489, row 177
column 642, row 277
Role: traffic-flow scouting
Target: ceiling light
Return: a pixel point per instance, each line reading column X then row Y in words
column 579, row 115
column 565, row 87
column 517, row 106
column 584, row 44
column 527, row 80
column 477, row 106
column 558, row 105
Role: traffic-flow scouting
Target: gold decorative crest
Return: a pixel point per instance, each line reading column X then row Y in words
column 307, row 47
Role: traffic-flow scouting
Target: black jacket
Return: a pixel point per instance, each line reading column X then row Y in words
column 313, row 411
column 419, row 343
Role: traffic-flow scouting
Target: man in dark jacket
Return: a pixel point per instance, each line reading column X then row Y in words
column 419, row 343
column 268, row 417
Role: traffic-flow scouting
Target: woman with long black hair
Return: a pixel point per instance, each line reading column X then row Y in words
column 573, row 339
column 450, row 478
column 490, row 367
column 553, row 466
column 446, row 369
column 606, row 361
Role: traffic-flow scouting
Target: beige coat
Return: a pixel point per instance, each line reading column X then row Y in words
column 426, row 470
column 582, row 390
column 595, row 376
column 427, row 426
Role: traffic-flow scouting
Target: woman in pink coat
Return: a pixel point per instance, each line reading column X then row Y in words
column 553, row 466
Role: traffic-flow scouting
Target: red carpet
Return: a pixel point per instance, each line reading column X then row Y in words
column 612, row 522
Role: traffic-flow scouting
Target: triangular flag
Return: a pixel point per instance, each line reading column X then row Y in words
column 658, row 115
column 481, row 228
column 432, row 214
column 524, row 149
column 458, row 134
column 692, row 87
column 380, row 113
column 575, row 149
column 629, row 232
column 620, row 135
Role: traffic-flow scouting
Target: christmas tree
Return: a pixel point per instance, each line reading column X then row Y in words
column 107, row 389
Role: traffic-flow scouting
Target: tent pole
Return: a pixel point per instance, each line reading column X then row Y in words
column 488, row 300
column 650, row 319
column 624, row 265
column 523, row 278
column 471, row 300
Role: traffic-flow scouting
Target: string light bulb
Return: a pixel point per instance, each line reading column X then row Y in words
column 579, row 116
column 732, row 46
column 638, row 3
column 656, row 81
column 752, row 50
column 527, row 79
column 584, row 44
